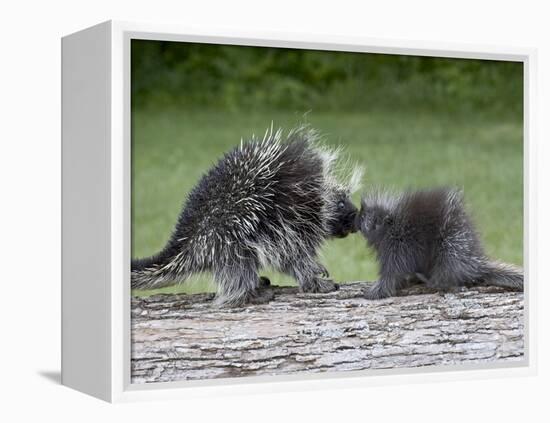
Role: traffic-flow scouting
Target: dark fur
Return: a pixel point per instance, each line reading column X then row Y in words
column 269, row 202
column 428, row 236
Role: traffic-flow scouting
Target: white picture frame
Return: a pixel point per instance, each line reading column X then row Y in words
column 96, row 226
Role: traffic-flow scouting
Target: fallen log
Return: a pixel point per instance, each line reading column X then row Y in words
column 183, row 337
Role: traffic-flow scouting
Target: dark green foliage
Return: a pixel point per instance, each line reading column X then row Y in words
column 192, row 75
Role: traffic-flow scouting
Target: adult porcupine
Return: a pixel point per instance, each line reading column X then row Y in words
column 269, row 202
column 428, row 236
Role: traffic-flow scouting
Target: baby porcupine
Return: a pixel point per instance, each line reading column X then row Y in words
column 269, row 202
column 428, row 236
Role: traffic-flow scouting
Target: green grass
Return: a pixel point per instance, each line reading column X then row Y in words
column 171, row 149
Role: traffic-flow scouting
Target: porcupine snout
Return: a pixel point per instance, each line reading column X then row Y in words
column 345, row 220
column 352, row 219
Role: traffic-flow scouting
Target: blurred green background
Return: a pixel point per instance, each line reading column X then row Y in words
column 413, row 121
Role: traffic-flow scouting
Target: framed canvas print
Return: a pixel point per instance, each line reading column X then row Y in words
column 250, row 212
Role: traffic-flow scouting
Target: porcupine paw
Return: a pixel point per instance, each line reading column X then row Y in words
column 264, row 282
column 261, row 296
column 416, row 279
column 321, row 286
column 258, row 296
column 263, row 293
column 374, row 292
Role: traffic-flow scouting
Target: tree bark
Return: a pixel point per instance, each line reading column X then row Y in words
column 183, row 337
